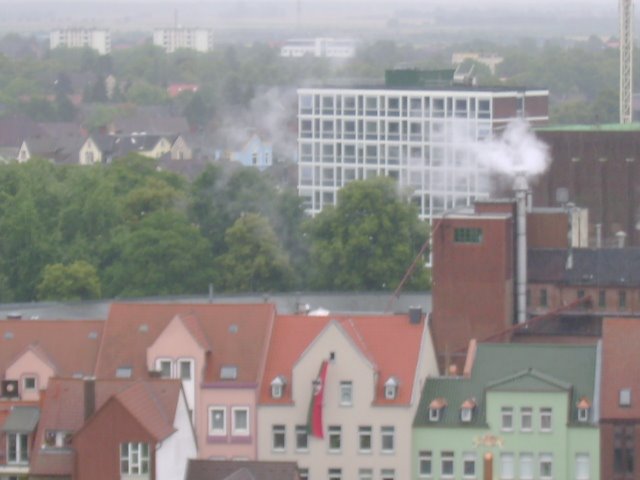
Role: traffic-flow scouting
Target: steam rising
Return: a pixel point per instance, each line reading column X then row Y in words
column 517, row 150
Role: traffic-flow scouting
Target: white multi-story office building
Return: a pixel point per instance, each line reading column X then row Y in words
column 319, row 47
column 421, row 136
column 96, row 39
column 171, row 39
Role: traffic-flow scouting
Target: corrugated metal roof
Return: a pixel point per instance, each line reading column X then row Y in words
column 22, row 420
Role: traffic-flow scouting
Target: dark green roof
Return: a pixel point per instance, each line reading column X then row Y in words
column 512, row 367
column 418, row 78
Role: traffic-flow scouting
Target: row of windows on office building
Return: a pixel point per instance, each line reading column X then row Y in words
column 365, row 442
column 512, row 465
column 393, row 130
column 394, row 105
column 363, row 474
column 603, row 299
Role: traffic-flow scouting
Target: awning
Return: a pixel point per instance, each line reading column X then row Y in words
column 22, row 420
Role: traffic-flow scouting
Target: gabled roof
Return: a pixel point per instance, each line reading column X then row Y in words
column 516, row 367
column 153, row 120
column 606, row 267
column 620, row 367
column 38, row 351
column 244, row 470
column 237, row 334
column 116, row 146
column 14, row 128
column 52, row 338
column 389, row 342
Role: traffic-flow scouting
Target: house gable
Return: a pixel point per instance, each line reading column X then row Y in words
column 33, row 362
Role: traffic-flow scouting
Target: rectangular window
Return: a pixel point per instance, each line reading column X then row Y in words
column 364, row 439
column 507, row 467
column 17, row 448
column 526, row 419
column 506, row 419
column 303, row 473
column 388, row 439
column 186, row 369
column 543, row 297
column 365, row 474
column 335, row 438
column 335, row 474
column 446, row 464
column 602, row 298
column 346, row 393
column 545, row 419
column 425, row 465
column 467, row 235
column 624, row 397
column 278, row 438
column 240, row 424
column 526, row 466
column 29, row 383
column 580, row 293
column 622, row 299
column 546, row 466
column 164, row 366
column 583, row 466
column 302, row 438
column 134, row 458
column 387, row 474
column 217, row 421
column 469, row 465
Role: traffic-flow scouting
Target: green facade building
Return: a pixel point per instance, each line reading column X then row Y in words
column 520, row 411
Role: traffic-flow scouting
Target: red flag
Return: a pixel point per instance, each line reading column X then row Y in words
column 314, row 419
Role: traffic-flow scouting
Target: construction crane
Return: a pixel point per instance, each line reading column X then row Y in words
column 626, row 61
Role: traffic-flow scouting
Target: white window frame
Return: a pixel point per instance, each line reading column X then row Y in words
column 276, row 390
column 346, row 393
column 365, row 474
column 160, row 361
column 334, row 474
column 217, row 432
column 507, row 459
column 425, row 457
column 469, row 457
column 526, row 412
column 466, row 414
column 132, row 460
column 388, row 432
column 21, row 458
column 235, row 430
column 387, row 474
column 583, row 464
column 24, row 383
column 528, row 456
column 191, row 363
column 583, row 414
column 506, row 412
column 624, row 397
column 278, row 431
column 545, row 458
column 303, row 473
column 365, row 431
column 302, row 430
column 447, row 458
column 334, row 433
column 434, row 414
column 546, row 412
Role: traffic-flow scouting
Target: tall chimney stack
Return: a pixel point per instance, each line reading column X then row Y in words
column 521, row 188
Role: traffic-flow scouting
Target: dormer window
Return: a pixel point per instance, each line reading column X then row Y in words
column 435, row 409
column 466, row 410
column 277, row 386
column 584, row 406
column 391, row 388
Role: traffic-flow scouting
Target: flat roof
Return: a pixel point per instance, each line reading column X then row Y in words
column 605, row 127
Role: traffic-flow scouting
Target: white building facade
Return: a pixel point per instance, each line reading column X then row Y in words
column 171, row 39
column 96, row 39
column 319, row 47
column 424, row 138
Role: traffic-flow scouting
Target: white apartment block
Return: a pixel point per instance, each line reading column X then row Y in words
column 171, row 39
column 96, row 39
column 319, row 47
column 422, row 137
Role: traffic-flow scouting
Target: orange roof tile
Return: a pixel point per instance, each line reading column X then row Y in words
column 469, row 403
column 438, row 403
column 389, row 342
column 51, row 339
column 583, row 403
column 236, row 334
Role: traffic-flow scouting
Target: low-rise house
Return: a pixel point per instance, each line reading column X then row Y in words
column 149, row 120
column 518, row 411
column 339, row 394
column 106, row 148
column 234, row 470
column 218, row 352
column 248, row 149
column 58, row 142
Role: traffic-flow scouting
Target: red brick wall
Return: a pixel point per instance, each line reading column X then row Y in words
column 607, row 445
column 98, row 444
column 536, row 106
column 561, row 295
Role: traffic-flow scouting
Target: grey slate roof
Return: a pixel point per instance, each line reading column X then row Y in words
column 235, row 470
column 591, row 266
column 22, row 419
column 116, row 146
column 512, row 367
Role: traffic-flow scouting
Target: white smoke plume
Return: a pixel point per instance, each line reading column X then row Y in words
column 517, row 150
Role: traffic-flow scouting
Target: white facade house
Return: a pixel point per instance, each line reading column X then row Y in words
column 319, row 47
column 171, row 39
column 422, row 137
column 96, row 39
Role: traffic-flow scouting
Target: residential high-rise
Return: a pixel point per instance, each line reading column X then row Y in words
column 96, row 39
column 171, row 39
column 420, row 128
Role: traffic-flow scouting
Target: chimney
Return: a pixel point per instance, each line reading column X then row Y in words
column 89, row 397
column 521, row 189
column 453, row 370
column 415, row 315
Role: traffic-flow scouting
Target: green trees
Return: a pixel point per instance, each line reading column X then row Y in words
column 368, row 241
column 77, row 281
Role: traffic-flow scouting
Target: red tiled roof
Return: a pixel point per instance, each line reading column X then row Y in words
column 51, row 339
column 620, row 367
column 389, row 342
column 438, row 403
column 584, row 403
column 237, row 334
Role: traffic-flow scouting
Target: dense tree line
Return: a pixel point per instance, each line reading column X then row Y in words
column 128, row 229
